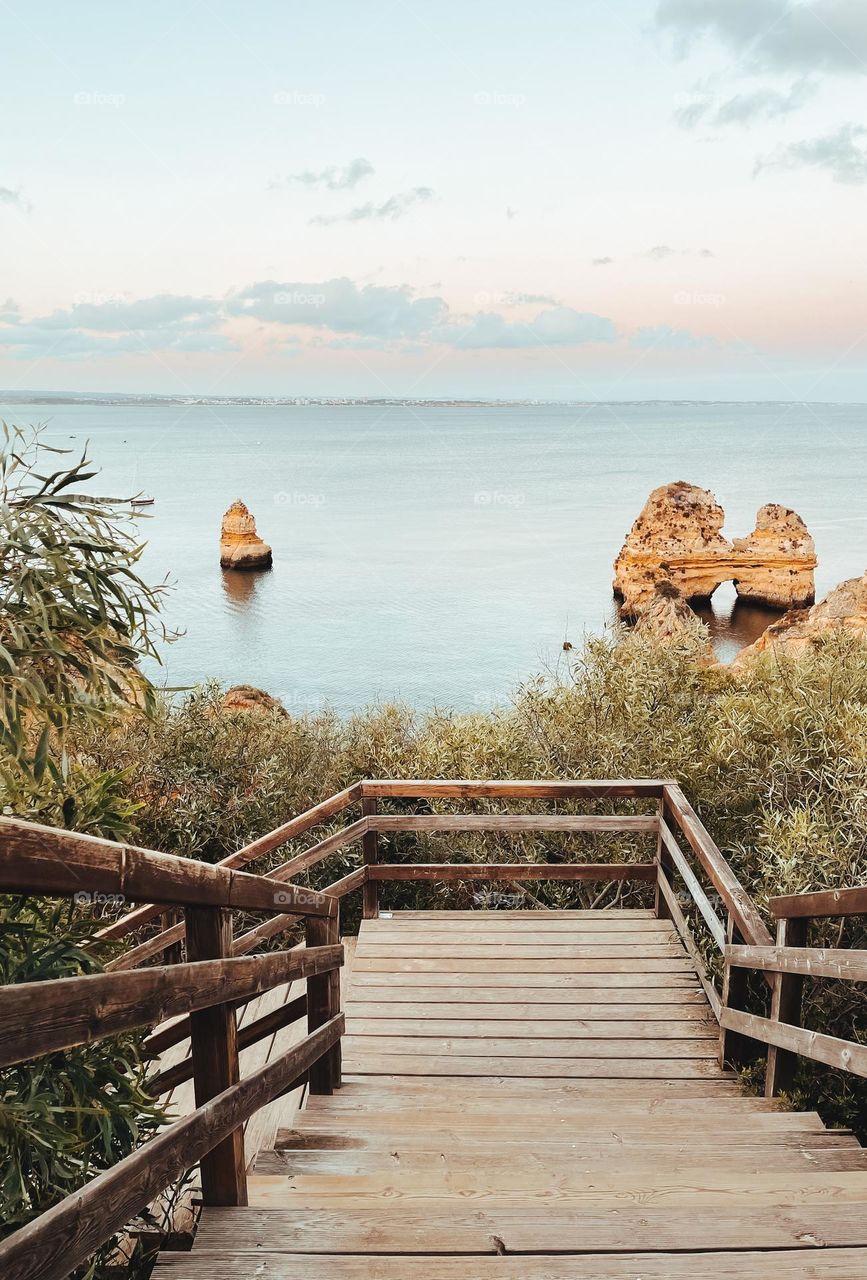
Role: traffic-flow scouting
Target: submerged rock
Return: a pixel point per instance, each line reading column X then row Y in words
column 240, row 545
column 246, row 697
column 843, row 609
column 678, row 537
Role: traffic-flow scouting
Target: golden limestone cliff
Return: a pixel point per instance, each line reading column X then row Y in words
column 843, row 609
column 240, row 545
column 678, row 537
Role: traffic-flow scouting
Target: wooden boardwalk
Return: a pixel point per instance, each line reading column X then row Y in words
column 537, row 1096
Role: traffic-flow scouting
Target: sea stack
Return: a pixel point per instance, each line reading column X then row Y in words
column 240, row 545
column 678, row 537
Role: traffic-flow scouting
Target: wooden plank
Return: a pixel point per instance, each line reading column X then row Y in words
column 569, row 1187
column 442, row 1227
column 695, row 1013
column 845, row 1055
column 60, row 1239
column 615, row 1068
column 368, row 950
column 43, row 1017
column 486, row 1044
column 214, row 1053
column 783, row 1264
column 820, row 905
column 510, row 789
column 40, row 859
column 516, row 914
column 513, row 822
column 642, row 871
column 482, row 928
column 740, row 904
column 811, row 962
column 644, row 965
column 699, row 897
column 385, row 981
column 530, row 1028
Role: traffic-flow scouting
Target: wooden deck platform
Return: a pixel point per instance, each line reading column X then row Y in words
column 537, row 1096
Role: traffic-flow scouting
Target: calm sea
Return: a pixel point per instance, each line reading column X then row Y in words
column 442, row 555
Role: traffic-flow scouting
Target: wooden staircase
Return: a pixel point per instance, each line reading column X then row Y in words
column 537, row 1096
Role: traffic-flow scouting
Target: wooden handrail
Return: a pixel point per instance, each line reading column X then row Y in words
column 44, row 1017
column 519, row 789
column 64, row 1236
column 809, row 962
column 821, row 905
column 265, row 844
column 40, row 859
column 511, row 823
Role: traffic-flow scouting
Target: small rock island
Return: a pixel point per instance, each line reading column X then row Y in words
column 678, row 537
column 240, row 545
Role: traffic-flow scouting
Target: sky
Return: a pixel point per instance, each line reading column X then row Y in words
column 647, row 199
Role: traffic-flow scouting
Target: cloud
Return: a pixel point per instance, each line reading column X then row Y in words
column 602, row 262
column 660, row 252
column 333, row 178
column 389, row 211
column 842, row 154
column 117, row 327
column 663, row 336
column 744, row 108
column 332, row 313
column 382, row 311
column 556, row 327
column 777, row 35
column 15, row 199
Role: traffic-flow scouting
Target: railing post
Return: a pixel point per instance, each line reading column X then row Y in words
column 735, row 1050
column 214, row 1047
column 786, row 998
column 323, row 1002
column 370, row 850
column 664, row 866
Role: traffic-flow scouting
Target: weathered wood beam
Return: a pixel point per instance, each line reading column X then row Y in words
column 821, row 905
column 52, row 1245
column 510, row 789
column 699, row 897
column 46, row 860
column 811, row 962
column 846, row 1055
column 512, row 822
column 44, row 1017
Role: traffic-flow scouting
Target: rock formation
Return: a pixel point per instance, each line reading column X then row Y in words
column 843, row 609
column 240, row 545
column 678, row 537
column 245, row 697
column 668, row 619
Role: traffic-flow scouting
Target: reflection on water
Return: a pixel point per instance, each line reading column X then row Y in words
column 239, row 587
column 734, row 623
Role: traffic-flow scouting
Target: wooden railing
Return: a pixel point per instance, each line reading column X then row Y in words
column 203, row 990
column 787, row 964
column 47, row 1017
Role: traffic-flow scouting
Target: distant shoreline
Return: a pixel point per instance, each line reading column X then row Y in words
column 97, row 398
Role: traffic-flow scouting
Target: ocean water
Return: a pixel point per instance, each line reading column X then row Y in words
column 441, row 555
